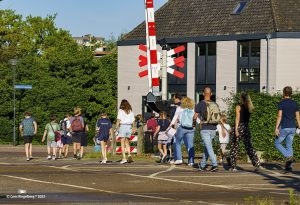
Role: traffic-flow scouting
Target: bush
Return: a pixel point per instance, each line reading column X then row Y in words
column 262, row 123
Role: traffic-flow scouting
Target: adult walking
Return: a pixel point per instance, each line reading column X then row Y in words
column 285, row 129
column 185, row 131
column 209, row 114
column 28, row 128
column 77, row 129
column 66, row 138
column 242, row 131
column 125, row 126
column 49, row 131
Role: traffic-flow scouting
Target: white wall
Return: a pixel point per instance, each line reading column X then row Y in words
column 191, row 70
column 287, row 63
column 226, row 71
column 128, row 70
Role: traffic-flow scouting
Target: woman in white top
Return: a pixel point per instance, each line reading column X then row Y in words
column 125, row 126
column 223, row 129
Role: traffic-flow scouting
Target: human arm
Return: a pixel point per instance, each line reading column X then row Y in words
column 298, row 119
column 157, row 130
column 175, row 118
column 35, row 127
column 21, row 129
column 279, row 117
column 134, row 127
column 237, row 120
column 44, row 136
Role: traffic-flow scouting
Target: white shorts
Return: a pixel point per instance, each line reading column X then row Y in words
column 125, row 131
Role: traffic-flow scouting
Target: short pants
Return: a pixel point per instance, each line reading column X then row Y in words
column 76, row 137
column 125, row 131
column 51, row 143
column 28, row 139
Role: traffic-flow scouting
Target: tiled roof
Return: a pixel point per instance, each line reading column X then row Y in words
column 194, row 18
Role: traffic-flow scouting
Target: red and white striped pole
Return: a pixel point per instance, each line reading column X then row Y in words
column 151, row 47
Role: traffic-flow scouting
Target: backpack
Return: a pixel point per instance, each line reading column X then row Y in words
column 76, row 125
column 187, row 118
column 213, row 113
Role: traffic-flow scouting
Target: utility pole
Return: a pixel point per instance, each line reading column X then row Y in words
column 13, row 62
column 164, row 79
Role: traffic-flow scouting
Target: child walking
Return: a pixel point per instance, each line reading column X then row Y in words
column 163, row 124
column 104, row 130
column 223, row 129
column 50, row 133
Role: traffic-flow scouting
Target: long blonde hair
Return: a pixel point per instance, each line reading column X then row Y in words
column 187, row 102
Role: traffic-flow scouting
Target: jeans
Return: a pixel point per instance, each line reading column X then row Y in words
column 188, row 138
column 207, row 137
column 286, row 134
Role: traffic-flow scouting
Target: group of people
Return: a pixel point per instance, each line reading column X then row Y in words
column 57, row 135
column 173, row 130
column 181, row 128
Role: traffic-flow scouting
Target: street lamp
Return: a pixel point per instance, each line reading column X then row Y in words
column 13, row 63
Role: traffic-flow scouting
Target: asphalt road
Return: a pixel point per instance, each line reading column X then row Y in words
column 71, row 181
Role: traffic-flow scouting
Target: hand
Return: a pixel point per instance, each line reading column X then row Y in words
column 237, row 134
column 277, row 132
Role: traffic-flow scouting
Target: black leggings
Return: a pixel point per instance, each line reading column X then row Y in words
column 245, row 135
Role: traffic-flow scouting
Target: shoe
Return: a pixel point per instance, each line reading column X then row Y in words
column 178, row 162
column 103, row 161
column 172, row 161
column 30, row 158
column 75, row 156
column 202, row 169
column 191, row 164
column 163, row 159
column 53, row 157
column 214, row 169
column 27, row 159
column 123, row 161
column 233, row 170
column 49, row 157
column 288, row 165
column 130, row 160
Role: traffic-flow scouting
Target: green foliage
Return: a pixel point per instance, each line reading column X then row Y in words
column 262, row 123
column 63, row 75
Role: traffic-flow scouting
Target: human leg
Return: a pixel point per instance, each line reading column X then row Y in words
column 178, row 139
column 246, row 136
column 189, row 143
column 207, row 136
column 278, row 142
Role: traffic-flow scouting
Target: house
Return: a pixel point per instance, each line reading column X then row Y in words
column 91, row 41
column 231, row 45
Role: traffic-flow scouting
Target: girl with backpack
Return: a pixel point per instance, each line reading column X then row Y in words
column 185, row 131
column 125, row 126
column 242, row 131
column 163, row 124
column 50, row 130
column 77, row 129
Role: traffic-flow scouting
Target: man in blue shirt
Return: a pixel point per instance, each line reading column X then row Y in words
column 285, row 129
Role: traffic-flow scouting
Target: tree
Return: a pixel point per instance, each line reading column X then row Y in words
column 63, row 74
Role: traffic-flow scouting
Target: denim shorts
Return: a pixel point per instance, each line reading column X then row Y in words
column 125, row 131
column 51, row 143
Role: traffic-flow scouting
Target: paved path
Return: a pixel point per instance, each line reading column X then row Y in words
column 88, row 182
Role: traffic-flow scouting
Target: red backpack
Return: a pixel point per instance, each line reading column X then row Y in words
column 76, row 125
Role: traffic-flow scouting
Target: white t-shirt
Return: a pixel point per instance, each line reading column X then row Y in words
column 219, row 130
column 124, row 117
column 179, row 110
column 68, row 123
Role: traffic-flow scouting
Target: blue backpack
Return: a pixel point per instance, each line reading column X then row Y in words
column 187, row 118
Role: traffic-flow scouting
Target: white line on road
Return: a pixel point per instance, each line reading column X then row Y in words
column 92, row 189
column 168, row 170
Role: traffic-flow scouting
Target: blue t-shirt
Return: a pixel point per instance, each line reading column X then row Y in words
column 289, row 108
column 104, row 125
column 201, row 109
column 28, row 126
column 164, row 124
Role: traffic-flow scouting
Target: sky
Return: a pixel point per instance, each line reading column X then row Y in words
column 101, row 18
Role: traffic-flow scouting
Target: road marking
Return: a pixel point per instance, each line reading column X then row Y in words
column 91, row 189
column 168, row 170
column 184, row 182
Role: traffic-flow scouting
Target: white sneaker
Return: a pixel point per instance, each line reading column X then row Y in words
column 53, row 157
column 191, row 164
column 103, row 161
column 49, row 157
column 177, row 162
column 172, row 161
column 123, row 162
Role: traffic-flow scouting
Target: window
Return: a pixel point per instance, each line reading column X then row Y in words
column 249, row 65
column 205, row 67
column 240, row 7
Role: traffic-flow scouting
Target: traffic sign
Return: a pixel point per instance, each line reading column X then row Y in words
column 24, row 87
